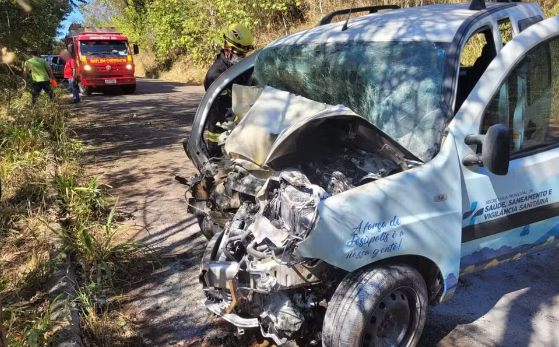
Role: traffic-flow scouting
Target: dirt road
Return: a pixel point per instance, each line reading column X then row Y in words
column 136, row 140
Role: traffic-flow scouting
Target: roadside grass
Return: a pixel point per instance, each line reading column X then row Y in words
column 104, row 267
column 50, row 212
column 183, row 70
column 34, row 141
column 554, row 11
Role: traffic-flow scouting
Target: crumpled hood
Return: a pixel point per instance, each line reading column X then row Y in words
column 273, row 112
column 266, row 131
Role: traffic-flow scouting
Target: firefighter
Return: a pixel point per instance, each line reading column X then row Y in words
column 237, row 43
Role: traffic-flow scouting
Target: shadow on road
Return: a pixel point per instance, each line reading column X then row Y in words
column 144, row 86
column 514, row 305
column 135, row 141
column 119, row 126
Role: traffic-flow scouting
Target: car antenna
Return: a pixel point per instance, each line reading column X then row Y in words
column 477, row 5
column 344, row 28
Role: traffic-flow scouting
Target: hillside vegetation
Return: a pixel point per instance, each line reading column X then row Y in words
column 180, row 38
column 27, row 25
column 52, row 213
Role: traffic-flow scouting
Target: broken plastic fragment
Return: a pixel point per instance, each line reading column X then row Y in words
column 264, row 229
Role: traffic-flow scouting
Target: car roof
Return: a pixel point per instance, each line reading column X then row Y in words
column 433, row 23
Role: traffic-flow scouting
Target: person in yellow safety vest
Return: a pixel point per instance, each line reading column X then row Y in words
column 238, row 42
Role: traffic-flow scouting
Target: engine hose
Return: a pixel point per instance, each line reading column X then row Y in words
column 223, row 247
column 235, row 232
column 241, row 170
column 245, row 235
column 241, row 237
column 262, row 248
column 256, row 253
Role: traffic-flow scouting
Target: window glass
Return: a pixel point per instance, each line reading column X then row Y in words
column 397, row 86
column 478, row 52
column 473, row 49
column 104, row 49
column 505, row 28
column 528, row 22
column 528, row 101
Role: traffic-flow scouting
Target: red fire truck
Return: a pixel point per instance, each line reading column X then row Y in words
column 103, row 57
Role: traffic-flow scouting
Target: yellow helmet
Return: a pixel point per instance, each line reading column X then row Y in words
column 239, row 37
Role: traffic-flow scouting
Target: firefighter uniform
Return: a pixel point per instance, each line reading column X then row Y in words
column 221, row 108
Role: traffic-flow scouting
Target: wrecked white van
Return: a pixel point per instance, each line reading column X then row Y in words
column 373, row 165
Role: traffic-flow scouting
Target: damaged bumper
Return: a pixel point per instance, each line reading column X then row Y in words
column 260, row 201
column 236, row 320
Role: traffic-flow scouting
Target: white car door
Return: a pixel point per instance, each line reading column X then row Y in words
column 508, row 215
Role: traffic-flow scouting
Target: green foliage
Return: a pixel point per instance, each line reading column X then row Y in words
column 42, row 196
column 22, row 30
column 37, row 330
column 554, row 11
column 34, row 144
column 174, row 27
column 80, row 205
column 32, row 140
column 98, row 251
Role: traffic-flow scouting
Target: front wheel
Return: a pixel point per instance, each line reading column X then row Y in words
column 85, row 90
column 129, row 88
column 383, row 306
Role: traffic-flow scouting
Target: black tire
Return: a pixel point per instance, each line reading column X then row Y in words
column 369, row 309
column 129, row 88
column 85, row 90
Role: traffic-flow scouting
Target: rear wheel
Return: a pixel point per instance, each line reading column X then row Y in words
column 129, row 88
column 85, row 90
column 384, row 306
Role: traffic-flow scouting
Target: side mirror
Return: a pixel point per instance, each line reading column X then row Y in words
column 71, row 49
column 135, row 49
column 495, row 150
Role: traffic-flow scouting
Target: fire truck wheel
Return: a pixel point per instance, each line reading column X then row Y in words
column 85, row 90
column 129, row 88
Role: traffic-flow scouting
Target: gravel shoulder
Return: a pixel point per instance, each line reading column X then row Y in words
column 135, row 141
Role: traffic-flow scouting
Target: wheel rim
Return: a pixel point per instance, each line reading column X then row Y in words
column 394, row 320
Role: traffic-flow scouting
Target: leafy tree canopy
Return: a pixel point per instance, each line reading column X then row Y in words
column 32, row 24
column 171, row 28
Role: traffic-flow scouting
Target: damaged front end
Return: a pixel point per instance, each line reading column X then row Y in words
column 249, row 272
column 260, row 200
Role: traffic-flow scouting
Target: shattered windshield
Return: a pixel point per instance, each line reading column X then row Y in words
column 397, row 86
column 104, row 49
